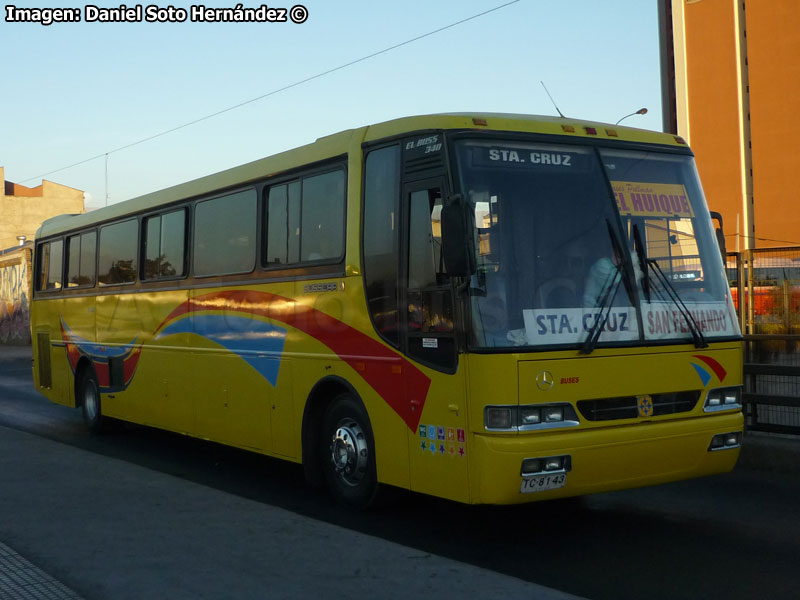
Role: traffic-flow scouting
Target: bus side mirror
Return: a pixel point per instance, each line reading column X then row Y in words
column 720, row 233
column 458, row 237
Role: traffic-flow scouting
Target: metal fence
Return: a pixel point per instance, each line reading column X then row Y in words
column 765, row 285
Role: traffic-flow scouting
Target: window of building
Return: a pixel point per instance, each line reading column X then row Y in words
column 225, row 234
column 118, row 249
column 165, row 237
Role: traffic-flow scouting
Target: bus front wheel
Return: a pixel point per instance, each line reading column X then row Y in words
column 348, row 452
column 89, row 397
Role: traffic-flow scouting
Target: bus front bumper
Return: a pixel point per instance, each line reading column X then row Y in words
column 601, row 459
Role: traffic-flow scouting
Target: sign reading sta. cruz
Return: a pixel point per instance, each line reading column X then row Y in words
column 572, row 325
column 652, row 199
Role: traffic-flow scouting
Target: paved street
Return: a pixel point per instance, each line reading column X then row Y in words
column 142, row 513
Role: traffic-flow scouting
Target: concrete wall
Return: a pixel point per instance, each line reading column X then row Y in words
column 22, row 209
column 15, row 294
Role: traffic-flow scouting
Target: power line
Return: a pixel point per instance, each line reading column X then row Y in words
column 762, row 239
column 279, row 90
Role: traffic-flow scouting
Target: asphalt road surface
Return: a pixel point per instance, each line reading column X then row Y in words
column 733, row 536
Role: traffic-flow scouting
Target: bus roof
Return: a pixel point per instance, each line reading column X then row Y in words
column 340, row 143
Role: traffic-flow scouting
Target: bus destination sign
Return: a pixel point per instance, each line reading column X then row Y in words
column 540, row 159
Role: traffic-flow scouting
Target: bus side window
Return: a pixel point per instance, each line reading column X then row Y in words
column 429, row 305
column 283, row 224
column 50, row 258
column 165, row 245
column 381, row 239
column 225, row 234
column 322, row 219
column 81, row 251
column 118, row 249
column 422, row 245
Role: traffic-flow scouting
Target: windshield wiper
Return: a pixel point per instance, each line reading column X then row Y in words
column 650, row 264
column 638, row 246
column 630, row 278
column 610, row 287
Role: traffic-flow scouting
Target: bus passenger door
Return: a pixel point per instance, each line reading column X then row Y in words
column 438, row 446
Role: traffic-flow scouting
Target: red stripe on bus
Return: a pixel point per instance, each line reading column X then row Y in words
column 374, row 362
column 103, row 374
column 718, row 369
column 129, row 365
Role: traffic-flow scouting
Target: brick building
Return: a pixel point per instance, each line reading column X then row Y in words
column 22, row 210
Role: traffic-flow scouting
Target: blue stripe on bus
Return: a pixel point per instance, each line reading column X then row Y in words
column 248, row 338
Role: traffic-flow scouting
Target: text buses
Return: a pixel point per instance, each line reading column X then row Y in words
column 487, row 308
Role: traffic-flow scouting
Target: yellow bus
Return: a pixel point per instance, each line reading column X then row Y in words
column 489, row 308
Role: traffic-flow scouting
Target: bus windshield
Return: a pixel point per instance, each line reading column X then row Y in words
column 560, row 260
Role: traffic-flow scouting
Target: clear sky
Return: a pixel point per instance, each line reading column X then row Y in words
column 72, row 91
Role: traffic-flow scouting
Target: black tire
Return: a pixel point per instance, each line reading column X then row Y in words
column 89, row 399
column 347, row 451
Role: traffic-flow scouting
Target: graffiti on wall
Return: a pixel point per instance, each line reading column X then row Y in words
column 15, row 316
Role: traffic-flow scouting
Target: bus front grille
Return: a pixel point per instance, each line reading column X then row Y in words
column 627, row 407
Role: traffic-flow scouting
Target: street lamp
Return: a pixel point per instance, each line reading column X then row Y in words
column 641, row 111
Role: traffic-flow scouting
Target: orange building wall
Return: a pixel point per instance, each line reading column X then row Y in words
column 711, row 80
column 715, row 125
column 773, row 50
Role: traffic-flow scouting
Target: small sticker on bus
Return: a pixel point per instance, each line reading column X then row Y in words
column 430, row 343
column 320, row 287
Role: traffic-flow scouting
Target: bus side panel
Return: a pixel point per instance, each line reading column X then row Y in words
column 76, row 322
column 159, row 388
column 119, row 334
column 439, row 450
column 232, row 397
column 50, row 352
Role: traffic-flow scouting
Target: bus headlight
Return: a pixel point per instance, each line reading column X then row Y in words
column 530, row 416
column 554, row 414
column 723, row 399
column 725, row 441
column 498, row 417
column 546, row 464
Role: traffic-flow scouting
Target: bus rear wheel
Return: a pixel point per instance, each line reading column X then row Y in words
column 348, row 453
column 89, row 398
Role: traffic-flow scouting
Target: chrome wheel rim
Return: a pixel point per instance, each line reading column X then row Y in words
column 349, row 453
column 90, row 400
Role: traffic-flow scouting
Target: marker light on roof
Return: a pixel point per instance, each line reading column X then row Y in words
column 591, row 130
column 481, row 122
column 611, row 132
column 680, row 140
column 568, row 128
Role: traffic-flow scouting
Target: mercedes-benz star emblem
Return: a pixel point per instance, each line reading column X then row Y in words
column 544, row 380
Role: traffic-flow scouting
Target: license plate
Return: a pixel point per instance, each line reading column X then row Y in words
column 540, row 483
